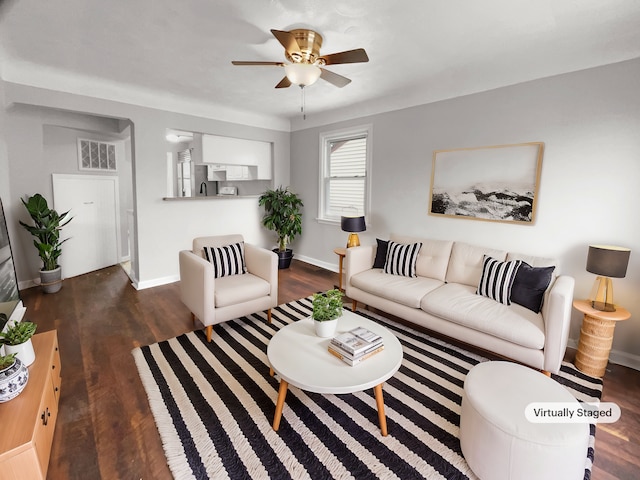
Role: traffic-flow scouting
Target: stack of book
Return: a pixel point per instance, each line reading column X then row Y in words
column 356, row 345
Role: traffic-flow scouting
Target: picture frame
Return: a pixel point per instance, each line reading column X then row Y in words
column 495, row 183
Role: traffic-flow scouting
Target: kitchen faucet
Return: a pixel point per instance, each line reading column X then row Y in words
column 203, row 184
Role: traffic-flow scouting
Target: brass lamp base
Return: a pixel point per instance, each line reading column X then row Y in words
column 602, row 295
column 354, row 240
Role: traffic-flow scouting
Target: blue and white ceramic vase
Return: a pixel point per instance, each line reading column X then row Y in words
column 13, row 379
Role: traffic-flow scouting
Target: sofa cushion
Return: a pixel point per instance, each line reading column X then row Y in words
column 465, row 264
column 381, row 253
column 401, row 259
column 497, row 278
column 433, row 258
column 235, row 289
column 227, row 259
column 530, row 284
column 405, row 290
column 458, row 303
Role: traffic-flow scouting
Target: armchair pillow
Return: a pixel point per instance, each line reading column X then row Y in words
column 497, row 279
column 227, row 260
column 401, row 259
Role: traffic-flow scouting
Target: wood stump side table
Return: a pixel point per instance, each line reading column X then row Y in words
column 596, row 337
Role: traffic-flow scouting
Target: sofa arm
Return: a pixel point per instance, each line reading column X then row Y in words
column 263, row 263
column 197, row 283
column 358, row 259
column 556, row 313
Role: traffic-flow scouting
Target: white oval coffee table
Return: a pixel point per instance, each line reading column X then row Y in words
column 300, row 358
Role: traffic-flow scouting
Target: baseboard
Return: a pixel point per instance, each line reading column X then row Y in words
column 156, row 282
column 333, row 267
column 616, row 356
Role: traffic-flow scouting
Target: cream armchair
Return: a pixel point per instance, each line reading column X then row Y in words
column 216, row 300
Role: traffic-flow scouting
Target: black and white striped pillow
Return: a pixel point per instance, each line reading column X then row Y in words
column 497, row 279
column 401, row 259
column 227, row 260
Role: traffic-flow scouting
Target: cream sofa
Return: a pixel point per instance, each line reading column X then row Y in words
column 442, row 298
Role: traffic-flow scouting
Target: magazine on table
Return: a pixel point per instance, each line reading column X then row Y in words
column 357, row 341
column 350, row 360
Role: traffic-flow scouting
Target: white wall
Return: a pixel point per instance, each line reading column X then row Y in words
column 162, row 227
column 589, row 122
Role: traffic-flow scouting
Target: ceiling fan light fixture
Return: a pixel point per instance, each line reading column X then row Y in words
column 302, row 74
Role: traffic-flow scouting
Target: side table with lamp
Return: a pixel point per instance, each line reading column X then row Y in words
column 600, row 313
column 353, row 225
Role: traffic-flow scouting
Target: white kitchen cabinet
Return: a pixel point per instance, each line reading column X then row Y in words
column 228, row 151
column 216, row 172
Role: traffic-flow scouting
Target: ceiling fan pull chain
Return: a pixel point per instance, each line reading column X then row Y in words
column 302, row 101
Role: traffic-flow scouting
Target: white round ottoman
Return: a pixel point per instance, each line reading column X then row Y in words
column 497, row 440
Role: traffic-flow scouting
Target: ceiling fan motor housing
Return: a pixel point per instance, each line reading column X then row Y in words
column 309, row 43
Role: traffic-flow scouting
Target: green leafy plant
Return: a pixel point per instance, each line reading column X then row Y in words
column 7, row 360
column 327, row 306
column 282, row 214
column 18, row 333
column 46, row 230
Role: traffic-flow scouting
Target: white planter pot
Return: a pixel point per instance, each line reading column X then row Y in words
column 24, row 350
column 327, row 328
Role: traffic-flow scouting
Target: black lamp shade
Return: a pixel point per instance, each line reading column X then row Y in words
column 608, row 261
column 352, row 224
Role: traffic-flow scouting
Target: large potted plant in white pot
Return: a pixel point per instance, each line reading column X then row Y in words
column 46, row 227
column 282, row 214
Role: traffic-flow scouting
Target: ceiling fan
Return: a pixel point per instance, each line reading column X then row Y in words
column 302, row 49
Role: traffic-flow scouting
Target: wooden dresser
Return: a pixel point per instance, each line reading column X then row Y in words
column 27, row 422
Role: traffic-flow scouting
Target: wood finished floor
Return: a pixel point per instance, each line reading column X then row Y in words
column 105, row 429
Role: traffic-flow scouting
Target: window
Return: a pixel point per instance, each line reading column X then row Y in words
column 94, row 155
column 345, row 158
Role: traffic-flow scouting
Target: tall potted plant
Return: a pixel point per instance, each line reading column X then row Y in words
column 282, row 215
column 46, row 230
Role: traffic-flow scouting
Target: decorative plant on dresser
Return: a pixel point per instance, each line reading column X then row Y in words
column 282, row 215
column 17, row 340
column 46, row 230
column 14, row 376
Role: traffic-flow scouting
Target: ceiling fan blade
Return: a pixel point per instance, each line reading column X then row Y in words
column 334, row 78
column 275, row 64
column 350, row 56
column 288, row 40
column 284, row 83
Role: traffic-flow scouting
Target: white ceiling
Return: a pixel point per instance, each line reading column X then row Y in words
column 176, row 55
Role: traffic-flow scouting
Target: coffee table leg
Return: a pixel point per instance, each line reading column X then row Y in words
column 282, row 393
column 382, row 417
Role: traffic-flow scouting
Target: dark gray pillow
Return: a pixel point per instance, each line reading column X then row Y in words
column 381, row 253
column 529, row 286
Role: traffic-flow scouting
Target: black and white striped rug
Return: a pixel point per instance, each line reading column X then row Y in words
column 214, row 402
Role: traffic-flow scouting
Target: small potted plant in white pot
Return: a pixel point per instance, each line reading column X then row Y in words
column 17, row 340
column 327, row 308
column 13, row 377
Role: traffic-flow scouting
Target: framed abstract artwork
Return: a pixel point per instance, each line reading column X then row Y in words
column 497, row 183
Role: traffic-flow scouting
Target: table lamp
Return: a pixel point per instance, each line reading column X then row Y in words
column 606, row 261
column 353, row 225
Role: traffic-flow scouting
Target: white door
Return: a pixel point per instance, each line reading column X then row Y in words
column 94, row 231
